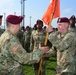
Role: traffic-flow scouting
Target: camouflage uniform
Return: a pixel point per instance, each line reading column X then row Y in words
column 20, row 37
column 36, row 39
column 12, row 55
column 1, row 31
column 74, row 30
column 65, row 45
column 26, row 36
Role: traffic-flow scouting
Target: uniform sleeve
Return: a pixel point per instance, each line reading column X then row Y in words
column 66, row 42
column 20, row 55
column 53, row 37
column 61, row 44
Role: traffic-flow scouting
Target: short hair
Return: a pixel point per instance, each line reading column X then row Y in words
column 1, row 16
column 8, row 24
column 39, row 22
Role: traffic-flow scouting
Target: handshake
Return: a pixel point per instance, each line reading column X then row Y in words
column 45, row 49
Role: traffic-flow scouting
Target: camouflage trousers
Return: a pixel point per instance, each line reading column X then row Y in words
column 36, row 68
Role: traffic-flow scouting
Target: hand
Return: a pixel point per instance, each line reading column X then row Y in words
column 44, row 48
column 49, row 29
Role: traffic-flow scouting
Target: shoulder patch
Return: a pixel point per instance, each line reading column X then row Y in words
column 15, row 48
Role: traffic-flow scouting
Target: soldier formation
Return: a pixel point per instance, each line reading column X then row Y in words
column 26, row 46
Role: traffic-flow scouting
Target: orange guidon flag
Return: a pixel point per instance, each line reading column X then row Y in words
column 53, row 11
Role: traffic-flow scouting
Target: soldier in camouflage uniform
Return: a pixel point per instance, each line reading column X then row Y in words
column 26, row 36
column 38, row 37
column 12, row 54
column 72, row 23
column 20, row 35
column 65, row 43
column 1, row 31
column 73, row 28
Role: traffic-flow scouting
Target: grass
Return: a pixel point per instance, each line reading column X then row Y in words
column 50, row 68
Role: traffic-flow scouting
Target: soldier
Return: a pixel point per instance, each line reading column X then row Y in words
column 38, row 37
column 72, row 23
column 1, row 19
column 35, row 27
column 26, row 36
column 1, row 31
column 65, row 43
column 20, row 35
column 12, row 54
column 73, row 28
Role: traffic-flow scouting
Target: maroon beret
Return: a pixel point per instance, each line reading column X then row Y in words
column 13, row 19
column 62, row 19
column 1, row 16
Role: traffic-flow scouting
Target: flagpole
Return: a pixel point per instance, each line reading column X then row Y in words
column 51, row 18
column 45, row 42
column 47, row 34
column 50, row 23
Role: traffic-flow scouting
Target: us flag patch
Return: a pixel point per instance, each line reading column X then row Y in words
column 15, row 48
